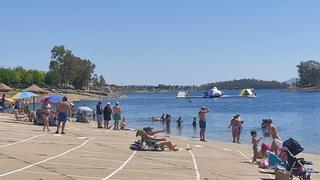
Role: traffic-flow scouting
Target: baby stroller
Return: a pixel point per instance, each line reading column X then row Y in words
column 297, row 166
column 144, row 143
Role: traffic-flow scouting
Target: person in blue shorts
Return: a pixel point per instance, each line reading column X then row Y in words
column 203, row 122
column 63, row 109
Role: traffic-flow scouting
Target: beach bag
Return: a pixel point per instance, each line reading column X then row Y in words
column 281, row 175
column 294, row 147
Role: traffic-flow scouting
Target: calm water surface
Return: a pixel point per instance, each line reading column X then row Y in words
column 296, row 114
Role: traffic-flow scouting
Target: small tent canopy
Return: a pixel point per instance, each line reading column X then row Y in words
column 246, row 92
column 4, row 88
column 36, row 89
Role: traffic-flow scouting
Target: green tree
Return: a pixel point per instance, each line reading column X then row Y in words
column 309, row 73
column 66, row 68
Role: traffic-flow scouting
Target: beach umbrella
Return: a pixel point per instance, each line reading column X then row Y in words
column 52, row 99
column 4, row 88
column 35, row 89
column 24, row 95
column 85, row 108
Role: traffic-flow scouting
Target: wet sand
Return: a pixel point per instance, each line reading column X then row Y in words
column 85, row 152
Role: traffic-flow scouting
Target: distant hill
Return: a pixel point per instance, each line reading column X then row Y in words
column 245, row 83
column 291, row 81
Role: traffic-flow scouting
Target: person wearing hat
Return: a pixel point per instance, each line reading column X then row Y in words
column 116, row 115
column 203, row 122
column 235, row 125
column 107, row 113
column 99, row 112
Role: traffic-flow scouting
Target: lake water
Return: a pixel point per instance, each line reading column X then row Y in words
column 296, row 114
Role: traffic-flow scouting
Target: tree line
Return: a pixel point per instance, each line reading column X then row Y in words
column 19, row 77
column 65, row 70
column 245, row 83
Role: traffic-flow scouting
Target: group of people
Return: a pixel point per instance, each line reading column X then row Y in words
column 107, row 113
column 63, row 110
column 236, row 126
column 276, row 145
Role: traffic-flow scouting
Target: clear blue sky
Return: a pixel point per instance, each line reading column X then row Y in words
column 167, row 41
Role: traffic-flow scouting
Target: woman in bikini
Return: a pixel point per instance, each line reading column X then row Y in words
column 45, row 109
column 235, row 125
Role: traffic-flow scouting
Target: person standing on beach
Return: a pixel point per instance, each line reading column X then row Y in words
column 116, row 115
column 45, row 114
column 203, row 122
column 107, row 113
column 63, row 109
column 2, row 101
column 99, row 111
column 235, row 125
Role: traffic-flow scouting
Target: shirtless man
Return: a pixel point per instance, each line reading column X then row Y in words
column 63, row 110
column 116, row 115
column 276, row 143
column 203, row 122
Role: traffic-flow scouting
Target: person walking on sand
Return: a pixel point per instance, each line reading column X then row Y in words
column 116, row 115
column 107, row 113
column 99, row 112
column 63, row 109
column 45, row 114
column 203, row 122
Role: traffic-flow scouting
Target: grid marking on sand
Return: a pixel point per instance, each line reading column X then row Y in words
column 6, row 145
column 249, row 160
column 194, row 163
column 34, row 164
column 121, row 167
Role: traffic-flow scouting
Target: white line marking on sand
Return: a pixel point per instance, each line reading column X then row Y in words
column 199, row 146
column 121, row 167
column 243, row 155
column 249, row 160
column 226, row 149
column 34, row 164
column 56, row 174
column 194, row 163
column 6, row 145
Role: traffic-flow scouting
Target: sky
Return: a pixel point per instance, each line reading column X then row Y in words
column 149, row 42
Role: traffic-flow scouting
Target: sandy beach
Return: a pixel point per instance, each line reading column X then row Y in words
column 85, row 152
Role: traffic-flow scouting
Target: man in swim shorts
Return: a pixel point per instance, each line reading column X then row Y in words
column 203, row 122
column 116, row 115
column 63, row 110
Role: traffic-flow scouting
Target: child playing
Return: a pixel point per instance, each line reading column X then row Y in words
column 255, row 143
